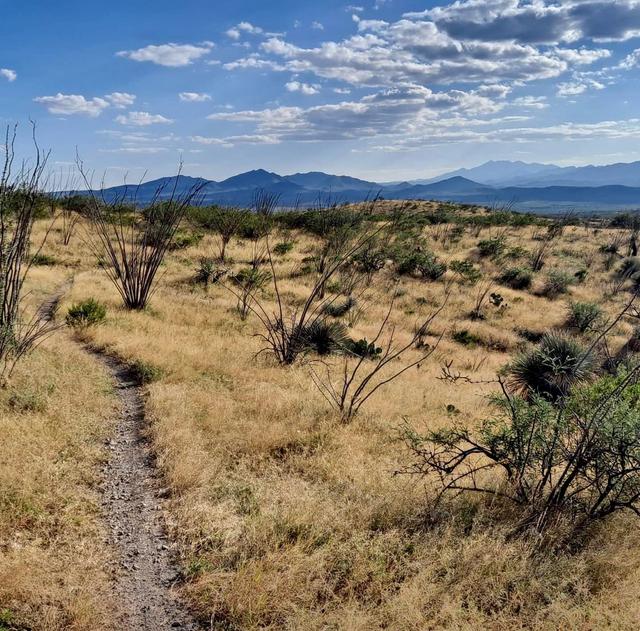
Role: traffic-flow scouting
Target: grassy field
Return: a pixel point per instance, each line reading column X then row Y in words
column 286, row 517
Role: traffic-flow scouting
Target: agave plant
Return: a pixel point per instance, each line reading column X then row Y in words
column 552, row 368
column 324, row 337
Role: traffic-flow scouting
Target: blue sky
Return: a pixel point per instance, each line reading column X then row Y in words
column 381, row 89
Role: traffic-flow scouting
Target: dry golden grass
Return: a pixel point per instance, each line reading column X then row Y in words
column 287, row 518
column 54, row 418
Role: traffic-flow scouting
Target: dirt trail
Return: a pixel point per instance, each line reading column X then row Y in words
column 143, row 569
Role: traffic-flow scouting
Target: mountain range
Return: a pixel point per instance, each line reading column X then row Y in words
column 525, row 186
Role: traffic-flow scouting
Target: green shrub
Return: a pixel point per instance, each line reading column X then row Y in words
column 467, row 271
column 466, row 338
column 420, row 262
column 517, row 277
column 184, row 240
column 370, row 260
column 145, row 372
column 337, row 310
column 365, row 349
column 86, row 313
column 579, row 461
column 492, row 247
column 44, row 260
column 283, row 247
column 584, row 316
column 209, row 271
column 557, row 283
column 430, row 268
column 552, row 368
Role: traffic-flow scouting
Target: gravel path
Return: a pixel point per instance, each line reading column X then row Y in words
column 143, row 570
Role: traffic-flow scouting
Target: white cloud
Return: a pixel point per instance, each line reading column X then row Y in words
column 136, row 150
column 317, row 26
column 303, row 88
column 142, row 119
column 397, row 111
column 170, row 55
column 231, row 141
column 9, row 75
column 243, row 27
column 194, row 97
column 531, row 102
column 70, row 104
column 581, row 85
column 120, row 100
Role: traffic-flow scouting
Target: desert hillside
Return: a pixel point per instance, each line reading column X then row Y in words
column 284, row 504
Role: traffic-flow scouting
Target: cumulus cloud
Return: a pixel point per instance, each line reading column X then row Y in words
column 169, row 55
column 120, row 100
column 537, row 22
column 194, row 97
column 396, row 111
column 531, row 102
column 303, row 88
column 142, row 119
column 70, row 104
column 243, row 27
column 8, row 74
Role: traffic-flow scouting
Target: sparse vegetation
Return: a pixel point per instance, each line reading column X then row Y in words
column 275, row 436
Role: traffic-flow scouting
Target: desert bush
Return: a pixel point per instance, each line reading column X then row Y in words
column 629, row 268
column 416, row 259
column 337, row 310
column 492, row 247
column 323, row 337
column 145, row 372
column 20, row 199
column 370, row 260
column 134, row 245
column 517, row 277
column 365, row 349
column 552, row 368
column 430, row 268
column 466, row 271
column 86, row 313
column 184, row 240
column 248, row 281
column 584, row 316
column 358, row 380
column 209, row 271
column 545, row 240
column 45, row 260
column 466, row 338
column 556, row 283
column 282, row 248
column 576, row 463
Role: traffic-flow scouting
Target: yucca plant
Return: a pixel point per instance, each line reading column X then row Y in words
column 323, row 337
column 552, row 368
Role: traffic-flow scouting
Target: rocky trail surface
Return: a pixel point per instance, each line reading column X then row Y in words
column 143, row 568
